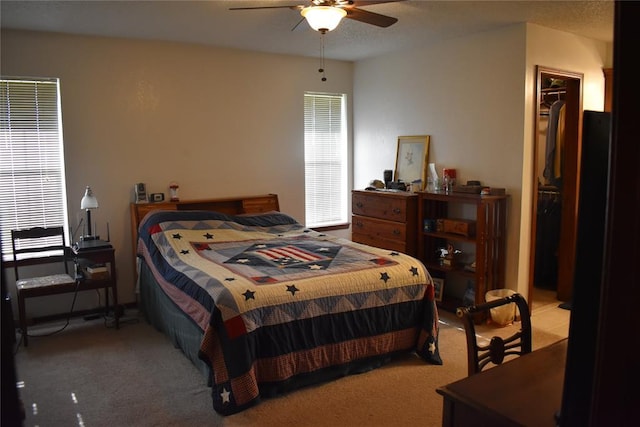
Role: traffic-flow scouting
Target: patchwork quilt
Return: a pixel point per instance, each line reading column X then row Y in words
column 282, row 306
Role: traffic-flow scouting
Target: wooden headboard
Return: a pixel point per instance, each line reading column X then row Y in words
column 229, row 205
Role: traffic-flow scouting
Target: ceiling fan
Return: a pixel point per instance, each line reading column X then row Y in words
column 325, row 15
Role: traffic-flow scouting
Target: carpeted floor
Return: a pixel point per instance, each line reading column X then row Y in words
column 91, row 375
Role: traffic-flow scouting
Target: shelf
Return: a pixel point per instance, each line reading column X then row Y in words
column 433, row 266
column 460, row 197
column 449, row 236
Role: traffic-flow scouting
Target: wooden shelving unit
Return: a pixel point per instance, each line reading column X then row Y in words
column 488, row 240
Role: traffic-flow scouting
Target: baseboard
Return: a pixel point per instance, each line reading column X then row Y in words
column 90, row 314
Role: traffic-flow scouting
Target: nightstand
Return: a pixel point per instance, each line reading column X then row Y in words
column 98, row 252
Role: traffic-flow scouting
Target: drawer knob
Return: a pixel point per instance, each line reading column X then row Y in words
column 358, row 224
column 359, row 204
column 396, row 232
column 397, row 210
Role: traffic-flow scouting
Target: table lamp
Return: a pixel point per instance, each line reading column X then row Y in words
column 87, row 203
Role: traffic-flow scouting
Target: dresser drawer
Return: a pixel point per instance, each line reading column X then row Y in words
column 379, row 233
column 380, row 205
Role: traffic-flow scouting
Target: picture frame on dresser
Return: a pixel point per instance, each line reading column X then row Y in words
column 438, row 288
column 412, row 157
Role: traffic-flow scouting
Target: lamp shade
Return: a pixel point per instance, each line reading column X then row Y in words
column 88, row 200
column 323, row 18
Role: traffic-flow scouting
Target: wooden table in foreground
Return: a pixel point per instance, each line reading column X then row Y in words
column 526, row 391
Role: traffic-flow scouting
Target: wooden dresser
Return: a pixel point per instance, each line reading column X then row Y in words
column 385, row 220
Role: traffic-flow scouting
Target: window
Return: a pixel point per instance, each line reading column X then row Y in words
column 325, row 159
column 32, row 186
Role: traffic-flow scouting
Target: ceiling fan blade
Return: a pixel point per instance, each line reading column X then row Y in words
column 298, row 24
column 356, row 3
column 350, row 6
column 370, row 17
column 294, row 7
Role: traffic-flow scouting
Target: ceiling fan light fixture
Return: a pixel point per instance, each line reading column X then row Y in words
column 323, row 18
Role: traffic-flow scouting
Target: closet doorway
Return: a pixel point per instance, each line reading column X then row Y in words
column 557, row 139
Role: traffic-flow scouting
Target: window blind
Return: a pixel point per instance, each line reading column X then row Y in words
column 325, row 156
column 32, row 186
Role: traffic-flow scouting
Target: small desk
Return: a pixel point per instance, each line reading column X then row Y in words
column 526, row 391
column 100, row 255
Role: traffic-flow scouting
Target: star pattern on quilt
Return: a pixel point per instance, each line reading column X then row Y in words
column 208, row 236
column 184, row 251
column 225, row 395
column 177, row 236
column 384, row 276
column 394, row 253
column 248, row 294
column 429, row 346
column 292, row 289
column 229, row 279
column 414, row 271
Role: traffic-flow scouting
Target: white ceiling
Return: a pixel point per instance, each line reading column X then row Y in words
column 270, row 30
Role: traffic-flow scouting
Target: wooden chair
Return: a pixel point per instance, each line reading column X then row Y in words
column 39, row 246
column 479, row 356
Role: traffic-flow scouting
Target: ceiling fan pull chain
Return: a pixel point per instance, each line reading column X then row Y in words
column 321, row 69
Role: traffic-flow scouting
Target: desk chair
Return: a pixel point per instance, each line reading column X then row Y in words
column 39, row 246
column 479, row 356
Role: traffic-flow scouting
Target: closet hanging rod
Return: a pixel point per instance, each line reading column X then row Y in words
column 554, row 91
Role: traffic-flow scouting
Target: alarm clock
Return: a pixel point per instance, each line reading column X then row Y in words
column 157, row 197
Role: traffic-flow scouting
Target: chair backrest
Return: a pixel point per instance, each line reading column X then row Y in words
column 38, row 245
column 478, row 355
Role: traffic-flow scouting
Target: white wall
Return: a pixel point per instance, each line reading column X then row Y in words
column 468, row 94
column 475, row 97
column 219, row 122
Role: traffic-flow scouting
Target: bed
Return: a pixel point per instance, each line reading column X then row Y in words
column 263, row 306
